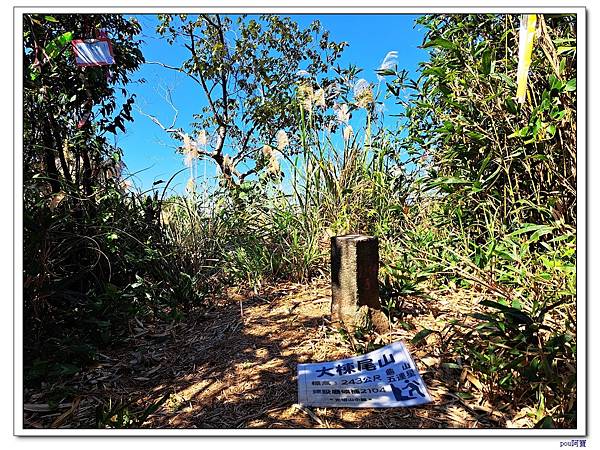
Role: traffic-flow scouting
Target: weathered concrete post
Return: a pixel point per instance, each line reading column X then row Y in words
column 354, row 283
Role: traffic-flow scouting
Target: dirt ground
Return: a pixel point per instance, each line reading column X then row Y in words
column 234, row 366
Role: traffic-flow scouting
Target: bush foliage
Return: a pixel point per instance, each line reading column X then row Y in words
column 470, row 191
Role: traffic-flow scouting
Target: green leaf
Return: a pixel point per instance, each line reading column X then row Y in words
column 439, row 42
column 486, row 62
column 476, row 136
column 539, row 157
column 67, row 369
column 511, row 105
column 546, row 422
column 571, row 85
column 152, row 408
column 444, row 89
column 52, row 49
column 450, row 365
column 483, row 166
column 510, row 82
column 421, row 335
column 555, row 83
column 476, row 187
column 561, row 50
column 521, row 132
column 56, row 45
column 437, row 71
column 558, row 115
column 528, row 228
column 449, row 180
column 385, row 72
column 484, row 317
column 50, row 19
column 519, row 316
column 464, row 395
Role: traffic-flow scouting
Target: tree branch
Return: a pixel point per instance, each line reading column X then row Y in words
column 202, row 81
column 178, row 69
column 243, row 176
column 242, row 153
column 172, row 130
column 224, row 94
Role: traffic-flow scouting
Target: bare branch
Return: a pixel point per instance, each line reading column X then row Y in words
column 177, row 69
column 221, row 133
column 171, row 129
column 169, row 99
column 159, row 123
column 210, row 22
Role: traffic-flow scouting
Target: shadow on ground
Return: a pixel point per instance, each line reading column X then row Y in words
column 234, row 366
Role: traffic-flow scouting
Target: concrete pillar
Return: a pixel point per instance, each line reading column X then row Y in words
column 354, row 282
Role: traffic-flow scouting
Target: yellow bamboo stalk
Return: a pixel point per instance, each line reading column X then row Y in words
column 526, row 38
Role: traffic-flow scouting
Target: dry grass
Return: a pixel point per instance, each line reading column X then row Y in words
column 234, row 366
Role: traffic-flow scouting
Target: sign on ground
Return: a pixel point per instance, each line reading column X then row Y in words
column 384, row 378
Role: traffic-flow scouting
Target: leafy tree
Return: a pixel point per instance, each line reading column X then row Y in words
column 62, row 141
column 504, row 209
column 247, row 70
column 485, row 150
column 83, row 240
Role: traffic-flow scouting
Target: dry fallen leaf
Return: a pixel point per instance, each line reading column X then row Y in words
column 430, row 361
column 56, row 199
column 474, row 381
column 60, row 419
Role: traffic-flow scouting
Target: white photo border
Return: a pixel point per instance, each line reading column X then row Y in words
column 307, row 7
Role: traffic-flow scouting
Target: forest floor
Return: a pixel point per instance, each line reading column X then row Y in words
column 234, row 366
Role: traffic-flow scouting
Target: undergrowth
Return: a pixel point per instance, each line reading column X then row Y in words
column 471, row 191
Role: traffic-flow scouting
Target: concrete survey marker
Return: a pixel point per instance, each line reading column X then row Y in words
column 354, row 282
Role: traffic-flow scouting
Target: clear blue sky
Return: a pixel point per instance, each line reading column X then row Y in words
column 150, row 154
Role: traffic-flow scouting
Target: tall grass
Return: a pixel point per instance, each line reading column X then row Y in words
column 269, row 230
column 500, row 179
column 477, row 195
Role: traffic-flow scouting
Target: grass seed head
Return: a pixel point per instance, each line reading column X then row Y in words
column 319, row 98
column 282, row 140
column 348, row 132
column 363, row 93
column 305, row 96
column 389, row 62
column 202, row 138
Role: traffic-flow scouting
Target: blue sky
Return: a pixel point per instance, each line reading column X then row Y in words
column 150, row 154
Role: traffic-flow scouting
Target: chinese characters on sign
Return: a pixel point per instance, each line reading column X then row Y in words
column 384, row 378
